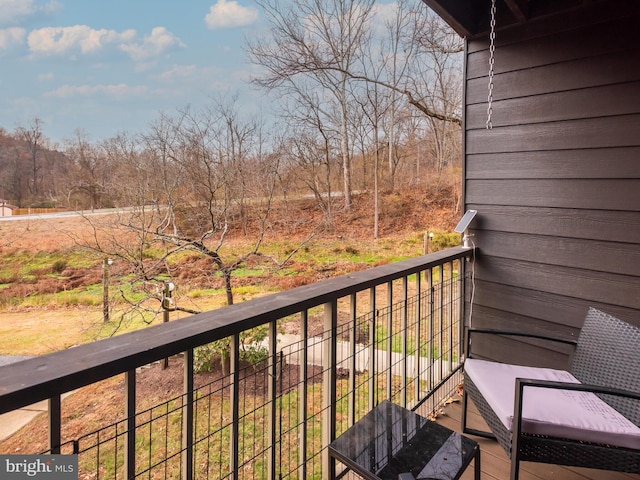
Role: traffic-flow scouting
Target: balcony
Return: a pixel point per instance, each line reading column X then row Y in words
column 392, row 332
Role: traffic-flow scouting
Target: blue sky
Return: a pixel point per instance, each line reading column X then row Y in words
column 110, row 66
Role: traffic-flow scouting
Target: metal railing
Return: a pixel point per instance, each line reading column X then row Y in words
column 392, row 332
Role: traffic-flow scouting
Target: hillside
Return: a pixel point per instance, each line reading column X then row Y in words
column 43, row 257
column 32, row 244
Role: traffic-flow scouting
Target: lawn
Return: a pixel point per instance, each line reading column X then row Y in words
column 51, row 289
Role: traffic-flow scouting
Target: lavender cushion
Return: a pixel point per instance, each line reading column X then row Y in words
column 558, row 413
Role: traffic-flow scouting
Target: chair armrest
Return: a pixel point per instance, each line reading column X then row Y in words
column 521, row 383
column 578, row 387
column 492, row 331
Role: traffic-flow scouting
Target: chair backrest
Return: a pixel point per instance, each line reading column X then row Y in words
column 608, row 354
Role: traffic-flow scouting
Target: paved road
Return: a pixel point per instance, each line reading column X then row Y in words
column 83, row 213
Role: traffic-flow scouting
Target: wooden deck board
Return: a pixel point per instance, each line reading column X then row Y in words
column 495, row 464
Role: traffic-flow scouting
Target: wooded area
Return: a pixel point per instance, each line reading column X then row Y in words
column 368, row 101
column 363, row 108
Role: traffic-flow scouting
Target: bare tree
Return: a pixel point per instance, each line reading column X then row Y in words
column 401, row 52
column 90, row 170
column 188, row 181
column 319, row 40
column 160, row 181
column 313, row 143
column 439, row 64
column 420, row 58
column 33, row 136
column 397, row 55
column 372, row 108
column 122, row 156
column 15, row 180
column 312, row 156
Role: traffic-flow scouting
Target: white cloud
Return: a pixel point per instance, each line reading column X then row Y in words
column 180, row 81
column 159, row 41
column 86, row 40
column 62, row 40
column 145, row 66
column 46, row 77
column 179, row 72
column 15, row 11
column 119, row 91
column 228, row 14
column 11, row 36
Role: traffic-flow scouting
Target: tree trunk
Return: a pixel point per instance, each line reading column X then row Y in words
column 227, row 287
column 344, row 147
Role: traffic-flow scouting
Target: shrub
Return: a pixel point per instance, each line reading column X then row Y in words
column 440, row 241
column 351, row 250
column 254, row 354
column 204, row 357
column 251, row 350
column 59, row 266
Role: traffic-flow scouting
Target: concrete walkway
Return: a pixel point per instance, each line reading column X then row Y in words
column 13, row 421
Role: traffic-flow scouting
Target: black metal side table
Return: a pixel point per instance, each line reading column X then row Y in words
column 393, row 443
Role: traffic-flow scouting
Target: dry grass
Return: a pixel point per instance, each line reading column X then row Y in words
column 40, row 332
column 48, row 235
column 48, row 315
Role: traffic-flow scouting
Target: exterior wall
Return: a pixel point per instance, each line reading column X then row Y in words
column 556, row 182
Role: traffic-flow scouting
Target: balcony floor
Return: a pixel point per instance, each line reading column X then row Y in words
column 495, row 463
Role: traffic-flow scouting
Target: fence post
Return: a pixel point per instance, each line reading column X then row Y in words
column 431, row 331
column 389, row 341
column 450, row 313
column 353, row 318
column 187, row 417
column 106, row 263
column 404, row 339
column 462, row 298
column 329, row 385
column 55, row 423
column 418, row 339
column 302, row 392
column 373, row 397
column 441, row 294
column 130, row 413
column 234, row 400
column 272, row 395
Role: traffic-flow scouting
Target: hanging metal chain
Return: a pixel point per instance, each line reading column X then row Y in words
column 492, row 50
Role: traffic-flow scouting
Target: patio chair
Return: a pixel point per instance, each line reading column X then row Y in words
column 587, row 416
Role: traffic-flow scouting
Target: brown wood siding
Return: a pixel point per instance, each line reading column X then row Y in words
column 556, row 181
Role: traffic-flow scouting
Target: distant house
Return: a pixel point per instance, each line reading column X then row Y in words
column 6, row 209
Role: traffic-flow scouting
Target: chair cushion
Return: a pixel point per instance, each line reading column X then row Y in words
column 558, row 413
